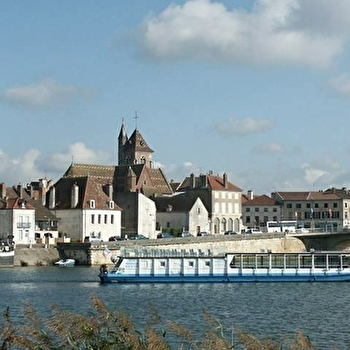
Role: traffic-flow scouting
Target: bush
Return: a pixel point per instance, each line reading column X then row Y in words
column 109, row 330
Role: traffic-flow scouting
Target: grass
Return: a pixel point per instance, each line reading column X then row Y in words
column 106, row 329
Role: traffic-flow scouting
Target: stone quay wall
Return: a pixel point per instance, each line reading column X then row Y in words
column 214, row 245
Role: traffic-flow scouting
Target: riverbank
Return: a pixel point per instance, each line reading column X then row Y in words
column 35, row 255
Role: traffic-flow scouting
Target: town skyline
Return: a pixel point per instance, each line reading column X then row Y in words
column 256, row 89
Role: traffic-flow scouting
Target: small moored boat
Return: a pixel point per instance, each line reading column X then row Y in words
column 65, row 263
column 7, row 256
column 167, row 267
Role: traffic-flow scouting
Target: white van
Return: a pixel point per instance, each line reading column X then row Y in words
column 89, row 239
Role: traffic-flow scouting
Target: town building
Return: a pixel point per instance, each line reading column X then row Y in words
column 131, row 185
column 325, row 210
column 222, row 199
column 181, row 213
column 258, row 210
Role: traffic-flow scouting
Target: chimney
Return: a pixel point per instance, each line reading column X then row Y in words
column 192, row 181
column 2, row 190
column 52, row 198
column 225, row 180
column 110, row 191
column 250, row 195
column 74, row 196
column 20, row 190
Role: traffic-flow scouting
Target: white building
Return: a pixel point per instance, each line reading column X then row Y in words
column 17, row 220
column 84, row 209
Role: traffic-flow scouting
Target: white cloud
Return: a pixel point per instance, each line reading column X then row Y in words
column 44, row 93
column 77, row 152
column 32, row 166
column 273, row 32
column 269, row 148
column 244, row 126
column 20, row 170
column 178, row 172
column 341, row 85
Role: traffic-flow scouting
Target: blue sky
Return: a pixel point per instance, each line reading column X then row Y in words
column 258, row 89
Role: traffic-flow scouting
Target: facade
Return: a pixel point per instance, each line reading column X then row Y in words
column 258, row 210
column 181, row 213
column 221, row 198
column 84, row 208
column 327, row 210
column 17, row 221
column 131, row 185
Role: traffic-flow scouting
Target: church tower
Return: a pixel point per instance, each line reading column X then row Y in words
column 133, row 150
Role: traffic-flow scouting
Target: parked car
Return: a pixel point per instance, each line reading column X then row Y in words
column 254, row 230
column 302, row 230
column 138, row 237
column 186, row 234
column 203, row 233
column 115, row 238
column 90, row 239
column 230, row 232
column 165, row 235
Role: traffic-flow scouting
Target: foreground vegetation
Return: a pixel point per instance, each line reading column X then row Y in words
column 104, row 329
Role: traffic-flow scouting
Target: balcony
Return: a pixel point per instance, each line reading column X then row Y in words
column 23, row 225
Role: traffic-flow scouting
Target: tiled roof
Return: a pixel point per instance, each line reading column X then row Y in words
column 212, row 182
column 178, row 203
column 89, row 189
column 313, row 195
column 260, row 201
column 15, row 203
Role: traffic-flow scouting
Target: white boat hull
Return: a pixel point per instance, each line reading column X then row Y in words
column 231, row 268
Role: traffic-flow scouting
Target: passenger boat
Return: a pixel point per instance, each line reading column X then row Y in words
column 167, row 267
column 65, row 263
column 7, row 256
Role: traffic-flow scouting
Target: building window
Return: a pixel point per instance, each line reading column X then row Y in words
column 335, row 205
column 289, row 205
column 325, row 205
column 247, row 210
column 106, row 220
column 266, row 210
column 168, row 224
column 247, row 219
column 112, row 219
column 207, row 263
column 92, row 204
column 298, row 206
column 274, row 209
column 162, row 264
column 92, row 218
column 274, row 218
column 99, row 218
column 316, row 205
column 111, row 205
column 198, row 210
column 190, row 263
column 308, row 205
column 256, row 209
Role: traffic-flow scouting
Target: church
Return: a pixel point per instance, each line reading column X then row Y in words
column 103, row 195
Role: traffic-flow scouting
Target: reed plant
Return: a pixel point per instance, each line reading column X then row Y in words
column 105, row 329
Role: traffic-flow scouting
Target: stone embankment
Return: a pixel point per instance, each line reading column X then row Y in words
column 35, row 255
column 94, row 255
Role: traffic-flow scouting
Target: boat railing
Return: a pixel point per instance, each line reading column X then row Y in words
column 153, row 252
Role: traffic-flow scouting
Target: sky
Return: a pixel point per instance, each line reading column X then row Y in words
column 257, row 89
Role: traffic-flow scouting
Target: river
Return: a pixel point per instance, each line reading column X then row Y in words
column 320, row 310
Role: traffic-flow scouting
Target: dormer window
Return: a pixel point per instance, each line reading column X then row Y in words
column 143, row 160
column 111, row 205
column 92, row 203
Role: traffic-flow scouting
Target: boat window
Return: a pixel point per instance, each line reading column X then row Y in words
column 292, row 260
column 320, row 261
column 305, row 261
column 277, row 261
column 333, row 261
column 346, row 260
column 162, row 263
column 190, row 263
column 248, row 261
column 263, row 261
column 207, row 263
